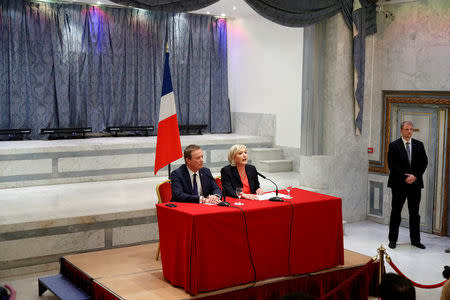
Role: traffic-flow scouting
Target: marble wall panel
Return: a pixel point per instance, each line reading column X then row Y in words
column 314, row 171
column 26, row 166
column 291, row 153
column 253, row 123
column 48, row 245
column 76, row 164
column 434, row 73
column 219, row 155
column 74, row 179
column 135, row 234
column 380, row 181
column 347, row 167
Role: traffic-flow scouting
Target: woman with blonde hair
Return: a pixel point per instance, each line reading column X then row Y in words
column 240, row 174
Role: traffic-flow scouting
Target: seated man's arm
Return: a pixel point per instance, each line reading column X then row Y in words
column 214, row 189
column 178, row 190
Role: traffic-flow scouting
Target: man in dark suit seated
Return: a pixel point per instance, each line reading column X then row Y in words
column 193, row 183
column 407, row 162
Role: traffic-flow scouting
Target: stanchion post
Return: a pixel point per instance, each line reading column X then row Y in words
column 381, row 253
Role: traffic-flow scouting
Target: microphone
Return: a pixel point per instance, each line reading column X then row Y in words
column 276, row 198
column 224, row 199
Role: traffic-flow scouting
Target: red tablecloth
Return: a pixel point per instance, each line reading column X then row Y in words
column 205, row 248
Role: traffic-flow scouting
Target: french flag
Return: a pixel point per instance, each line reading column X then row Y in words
column 168, row 145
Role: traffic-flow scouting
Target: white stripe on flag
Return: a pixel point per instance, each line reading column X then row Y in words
column 167, row 107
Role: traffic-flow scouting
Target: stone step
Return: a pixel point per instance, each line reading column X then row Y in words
column 39, row 162
column 275, row 165
column 258, row 154
column 62, row 287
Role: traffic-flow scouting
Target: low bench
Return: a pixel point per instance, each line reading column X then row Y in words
column 66, row 133
column 192, row 129
column 115, row 130
column 15, row 134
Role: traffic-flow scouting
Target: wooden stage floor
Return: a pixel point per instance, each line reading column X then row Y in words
column 133, row 273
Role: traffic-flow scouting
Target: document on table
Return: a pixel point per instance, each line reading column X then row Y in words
column 267, row 196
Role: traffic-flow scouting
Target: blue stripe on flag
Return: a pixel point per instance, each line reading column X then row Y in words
column 167, row 81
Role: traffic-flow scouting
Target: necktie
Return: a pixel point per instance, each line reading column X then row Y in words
column 408, row 152
column 194, row 185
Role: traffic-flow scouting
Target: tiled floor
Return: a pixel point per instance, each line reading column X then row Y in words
column 422, row 266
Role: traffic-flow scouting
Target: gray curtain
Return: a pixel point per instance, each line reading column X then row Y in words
column 69, row 65
column 295, row 13
column 198, row 62
column 298, row 13
column 167, row 5
column 292, row 13
column 79, row 66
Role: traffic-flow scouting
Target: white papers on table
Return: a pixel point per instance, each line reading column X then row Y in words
column 267, row 196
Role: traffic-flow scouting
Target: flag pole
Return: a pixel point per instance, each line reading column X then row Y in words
column 168, row 144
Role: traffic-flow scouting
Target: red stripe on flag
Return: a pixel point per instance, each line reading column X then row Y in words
column 168, row 145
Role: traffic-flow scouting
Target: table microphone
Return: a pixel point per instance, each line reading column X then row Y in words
column 276, row 198
column 224, row 199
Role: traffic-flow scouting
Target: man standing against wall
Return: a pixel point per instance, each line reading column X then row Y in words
column 407, row 162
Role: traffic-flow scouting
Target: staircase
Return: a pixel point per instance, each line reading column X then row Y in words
column 270, row 160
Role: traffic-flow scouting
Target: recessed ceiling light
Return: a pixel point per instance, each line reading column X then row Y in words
column 207, row 12
column 223, row 15
column 234, row 7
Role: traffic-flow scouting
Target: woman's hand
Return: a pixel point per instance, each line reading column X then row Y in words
column 259, row 191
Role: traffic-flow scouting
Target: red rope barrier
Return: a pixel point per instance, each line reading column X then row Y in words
column 422, row 286
column 346, row 284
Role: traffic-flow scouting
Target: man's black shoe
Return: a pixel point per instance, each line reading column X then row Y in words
column 392, row 245
column 418, row 245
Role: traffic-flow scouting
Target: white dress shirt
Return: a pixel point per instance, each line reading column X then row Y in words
column 410, row 145
column 199, row 183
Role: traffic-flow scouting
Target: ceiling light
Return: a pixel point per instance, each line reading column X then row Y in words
column 234, row 7
column 223, row 15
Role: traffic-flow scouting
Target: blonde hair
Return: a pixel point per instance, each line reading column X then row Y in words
column 233, row 150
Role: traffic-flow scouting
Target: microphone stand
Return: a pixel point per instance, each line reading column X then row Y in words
column 275, row 198
column 223, row 197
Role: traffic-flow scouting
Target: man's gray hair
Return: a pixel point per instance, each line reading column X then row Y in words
column 406, row 123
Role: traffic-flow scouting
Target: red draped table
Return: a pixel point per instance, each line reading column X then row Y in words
column 205, row 247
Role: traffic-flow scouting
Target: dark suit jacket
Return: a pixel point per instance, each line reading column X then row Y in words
column 182, row 186
column 399, row 165
column 231, row 179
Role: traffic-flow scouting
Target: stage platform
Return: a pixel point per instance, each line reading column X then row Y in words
column 133, row 273
column 72, row 196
